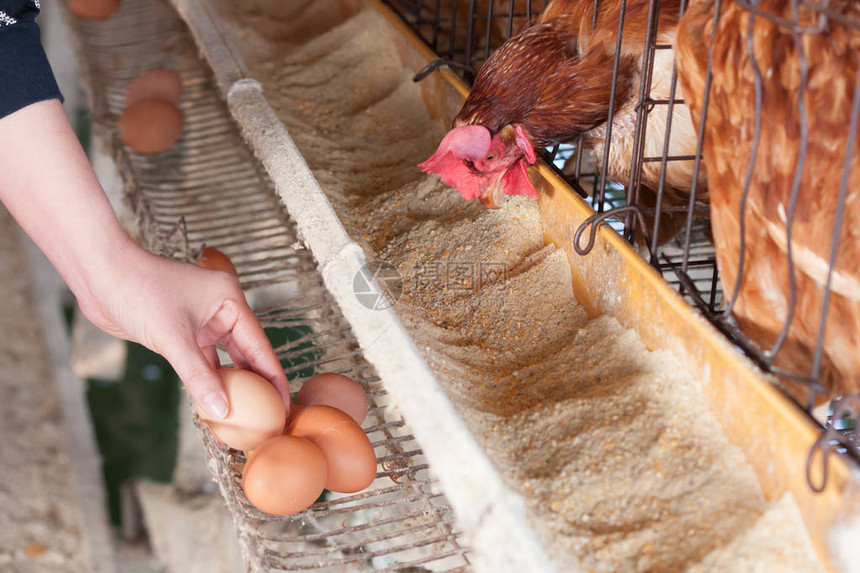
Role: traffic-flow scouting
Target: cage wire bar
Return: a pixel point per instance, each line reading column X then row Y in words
column 208, row 189
column 688, row 261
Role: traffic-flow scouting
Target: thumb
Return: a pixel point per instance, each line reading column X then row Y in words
column 200, row 379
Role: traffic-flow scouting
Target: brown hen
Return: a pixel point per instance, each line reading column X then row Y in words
column 551, row 83
column 764, row 304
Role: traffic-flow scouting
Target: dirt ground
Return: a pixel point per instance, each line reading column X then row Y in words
column 46, row 522
column 39, row 523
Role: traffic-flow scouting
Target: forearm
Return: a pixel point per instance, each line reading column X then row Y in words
column 47, row 184
column 176, row 309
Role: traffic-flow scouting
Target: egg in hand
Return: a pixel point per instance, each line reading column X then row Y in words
column 256, row 411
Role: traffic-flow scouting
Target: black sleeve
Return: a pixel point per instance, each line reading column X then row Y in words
column 25, row 74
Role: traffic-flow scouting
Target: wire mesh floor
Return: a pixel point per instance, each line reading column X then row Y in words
column 208, row 189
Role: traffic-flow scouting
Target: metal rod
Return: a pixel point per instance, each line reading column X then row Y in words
column 642, row 112
column 757, row 79
column 669, row 158
column 601, row 187
column 470, row 31
column 488, row 48
column 795, row 186
column 703, row 116
column 837, row 226
column 453, row 34
column 667, row 138
column 437, row 11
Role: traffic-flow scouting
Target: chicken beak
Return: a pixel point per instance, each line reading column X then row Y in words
column 491, row 198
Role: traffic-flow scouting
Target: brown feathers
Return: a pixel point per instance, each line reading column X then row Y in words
column 763, row 292
column 537, row 79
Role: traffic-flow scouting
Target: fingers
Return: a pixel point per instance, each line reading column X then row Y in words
column 211, row 354
column 236, row 355
column 248, row 342
column 236, row 325
column 195, row 368
column 182, row 311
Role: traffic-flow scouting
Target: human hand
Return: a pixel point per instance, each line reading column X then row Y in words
column 175, row 309
column 181, row 312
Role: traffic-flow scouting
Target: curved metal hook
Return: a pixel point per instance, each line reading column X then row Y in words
column 598, row 218
column 822, row 443
column 440, row 62
column 845, row 405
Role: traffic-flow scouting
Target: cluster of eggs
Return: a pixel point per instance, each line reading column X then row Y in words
column 93, row 9
column 152, row 120
column 291, row 459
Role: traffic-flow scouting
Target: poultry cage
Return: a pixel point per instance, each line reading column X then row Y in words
column 265, row 172
column 464, row 34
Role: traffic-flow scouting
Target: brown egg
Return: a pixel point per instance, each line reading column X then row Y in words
column 157, row 83
column 151, row 125
column 284, row 476
column 256, row 413
column 93, row 9
column 334, row 390
column 349, row 456
column 212, row 258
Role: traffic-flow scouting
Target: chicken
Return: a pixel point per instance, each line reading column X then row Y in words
column 551, row 83
column 762, row 283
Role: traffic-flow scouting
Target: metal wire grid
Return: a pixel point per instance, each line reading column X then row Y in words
column 465, row 32
column 207, row 189
column 687, row 262
column 700, row 277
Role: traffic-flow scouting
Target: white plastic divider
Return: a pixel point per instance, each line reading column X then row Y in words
column 491, row 516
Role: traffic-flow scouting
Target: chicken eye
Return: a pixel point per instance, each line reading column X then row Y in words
column 490, row 157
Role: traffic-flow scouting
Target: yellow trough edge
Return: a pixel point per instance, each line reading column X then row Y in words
column 773, row 432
